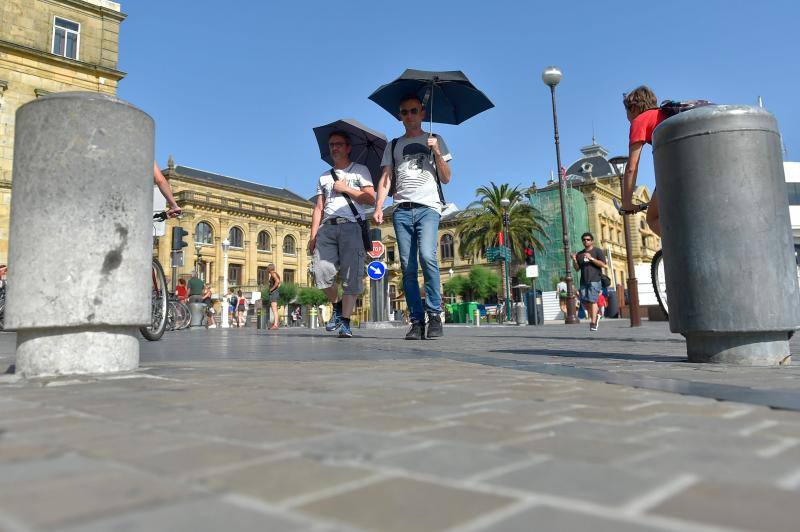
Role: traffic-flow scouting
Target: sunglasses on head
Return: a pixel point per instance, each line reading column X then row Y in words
column 413, row 111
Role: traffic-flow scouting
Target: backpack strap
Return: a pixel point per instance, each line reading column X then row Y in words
column 436, row 174
column 347, row 197
column 393, row 184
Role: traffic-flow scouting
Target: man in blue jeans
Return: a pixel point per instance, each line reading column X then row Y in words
column 590, row 261
column 418, row 165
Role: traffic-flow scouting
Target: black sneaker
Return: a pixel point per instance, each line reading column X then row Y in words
column 434, row 326
column 417, row 331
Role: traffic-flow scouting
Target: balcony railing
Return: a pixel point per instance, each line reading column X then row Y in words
column 247, row 208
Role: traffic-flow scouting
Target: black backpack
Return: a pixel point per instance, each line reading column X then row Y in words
column 673, row 107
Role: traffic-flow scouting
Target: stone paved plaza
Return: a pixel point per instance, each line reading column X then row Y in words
column 488, row 429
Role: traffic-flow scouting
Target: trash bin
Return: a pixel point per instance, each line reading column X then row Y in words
column 533, row 300
column 198, row 312
column 520, row 313
column 612, row 310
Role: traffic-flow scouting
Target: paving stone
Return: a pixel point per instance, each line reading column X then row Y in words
column 191, row 461
column 62, row 465
column 384, row 422
column 453, row 460
column 735, row 505
column 471, row 434
column 545, row 518
column 400, row 505
column 82, row 495
column 140, row 442
column 599, row 483
column 352, row 445
column 283, row 479
column 243, row 430
column 203, row 515
column 582, row 449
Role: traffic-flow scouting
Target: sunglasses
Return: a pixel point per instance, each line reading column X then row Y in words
column 413, row 111
column 586, row 239
column 337, row 144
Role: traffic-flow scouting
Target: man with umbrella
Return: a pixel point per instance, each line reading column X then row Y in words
column 336, row 242
column 419, row 204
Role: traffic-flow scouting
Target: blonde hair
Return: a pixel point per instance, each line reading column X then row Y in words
column 640, row 100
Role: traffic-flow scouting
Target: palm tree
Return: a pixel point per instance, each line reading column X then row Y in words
column 482, row 220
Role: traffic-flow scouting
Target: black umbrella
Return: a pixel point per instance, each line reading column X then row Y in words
column 367, row 144
column 457, row 99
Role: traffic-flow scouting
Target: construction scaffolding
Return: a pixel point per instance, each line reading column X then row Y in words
column 551, row 260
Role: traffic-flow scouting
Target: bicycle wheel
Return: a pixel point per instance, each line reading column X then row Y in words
column 182, row 315
column 158, row 296
column 171, row 318
column 659, row 281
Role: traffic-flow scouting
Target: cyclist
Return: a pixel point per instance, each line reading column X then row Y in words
column 644, row 115
column 166, row 191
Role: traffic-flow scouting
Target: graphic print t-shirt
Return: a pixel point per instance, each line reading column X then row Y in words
column 336, row 206
column 414, row 170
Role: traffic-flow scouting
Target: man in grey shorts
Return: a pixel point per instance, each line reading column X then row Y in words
column 335, row 234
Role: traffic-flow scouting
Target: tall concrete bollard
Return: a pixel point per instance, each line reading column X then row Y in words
column 81, row 234
column 727, row 240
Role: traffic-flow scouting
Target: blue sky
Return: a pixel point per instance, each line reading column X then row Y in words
column 235, row 88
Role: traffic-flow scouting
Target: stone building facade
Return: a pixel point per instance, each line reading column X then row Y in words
column 263, row 224
column 51, row 46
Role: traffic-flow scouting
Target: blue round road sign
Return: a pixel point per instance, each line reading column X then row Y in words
column 376, row 270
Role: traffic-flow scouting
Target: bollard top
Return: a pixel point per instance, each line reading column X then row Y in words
column 711, row 119
column 82, row 96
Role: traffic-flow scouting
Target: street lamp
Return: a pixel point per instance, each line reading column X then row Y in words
column 197, row 246
column 226, row 245
column 505, row 202
column 551, row 77
column 619, row 163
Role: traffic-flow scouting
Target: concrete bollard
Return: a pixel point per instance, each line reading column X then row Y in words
column 80, row 244
column 197, row 312
column 477, row 317
column 728, row 247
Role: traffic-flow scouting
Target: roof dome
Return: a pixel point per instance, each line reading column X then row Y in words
column 593, row 163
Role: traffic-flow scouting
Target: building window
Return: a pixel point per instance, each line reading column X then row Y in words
column 236, row 237
column 446, row 247
column 262, row 276
column 200, row 266
column 793, row 191
column 644, row 242
column 289, row 245
column 602, row 233
column 288, row 276
column 619, row 237
column 390, row 253
column 392, row 299
column 234, row 274
column 203, row 233
column 66, row 37
column 263, row 241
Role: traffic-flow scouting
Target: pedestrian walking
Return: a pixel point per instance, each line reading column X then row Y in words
column 209, row 306
column 274, row 294
column 590, row 261
column 561, row 288
column 241, row 309
column 414, row 167
column 230, row 303
column 336, row 242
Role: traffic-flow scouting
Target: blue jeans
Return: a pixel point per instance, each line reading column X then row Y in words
column 417, row 232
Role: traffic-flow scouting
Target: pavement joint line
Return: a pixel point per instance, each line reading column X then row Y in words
column 507, row 468
column 494, row 517
column 457, row 415
column 772, row 451
column 757, row 427
column 257, row 505
column 235, row 466
column 486, row 403
column 411, row 448
column 339, row 489
column 547, row 424
column 660, row 494
column 737, row 413
column 790, row 481
column 635, row 407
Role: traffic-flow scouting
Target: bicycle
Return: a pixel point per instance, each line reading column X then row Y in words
column 657, row 275
column 158, row 296
column 178, row 315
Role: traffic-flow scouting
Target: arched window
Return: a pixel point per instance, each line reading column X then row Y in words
column 289, row 245
column 203, row 233
column 263, row 241
column 446, row 247
column 236, row 237
column 643, row 224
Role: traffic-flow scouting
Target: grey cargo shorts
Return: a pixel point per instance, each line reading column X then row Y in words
column 340, row 249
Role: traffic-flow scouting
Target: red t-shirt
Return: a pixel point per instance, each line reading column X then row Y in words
column 643, row 125
column 180, row 291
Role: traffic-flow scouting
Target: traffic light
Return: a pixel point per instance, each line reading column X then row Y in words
column 178, row 234
column 530, row 256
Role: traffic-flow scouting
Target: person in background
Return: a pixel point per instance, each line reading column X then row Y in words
column 181, row 292
column 241, row 308
column 209, row 306
column 274, row 294
column 590, row 261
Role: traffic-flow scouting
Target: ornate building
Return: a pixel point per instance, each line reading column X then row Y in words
column 263, row 225
column 51, row 46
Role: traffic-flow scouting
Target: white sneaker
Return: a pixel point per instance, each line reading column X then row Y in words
column 212, row 326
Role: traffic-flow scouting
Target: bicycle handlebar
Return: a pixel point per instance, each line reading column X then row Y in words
column 636, row 208
column 160, row 216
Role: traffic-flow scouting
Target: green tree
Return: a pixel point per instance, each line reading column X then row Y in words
column 287, row 293
column 457, row 286
column 482, row 220
column 311, row 296
column 483, row 282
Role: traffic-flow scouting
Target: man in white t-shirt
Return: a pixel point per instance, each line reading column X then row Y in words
column 336, row 242
column 419, row 165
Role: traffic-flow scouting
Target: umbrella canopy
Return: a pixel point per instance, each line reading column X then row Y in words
column 456, row 98
column 367, row 144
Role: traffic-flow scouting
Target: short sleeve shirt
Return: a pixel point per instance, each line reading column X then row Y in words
column 414, row 170
column 196, row 286
column 643, row 125
column 590, row 272
column 357, row 176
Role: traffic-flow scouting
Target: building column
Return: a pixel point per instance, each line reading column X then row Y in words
column 251, row 251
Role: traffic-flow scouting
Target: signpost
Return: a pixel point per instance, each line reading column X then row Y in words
column 378, row 284
column 376, row 270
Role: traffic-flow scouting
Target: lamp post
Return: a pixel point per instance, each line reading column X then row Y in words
column 226, row 244
column 619, row 164
column 505, row 202
column 551, row 77
column 197, row 246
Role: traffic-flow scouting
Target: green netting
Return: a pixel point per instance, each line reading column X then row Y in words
column 551, row 260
